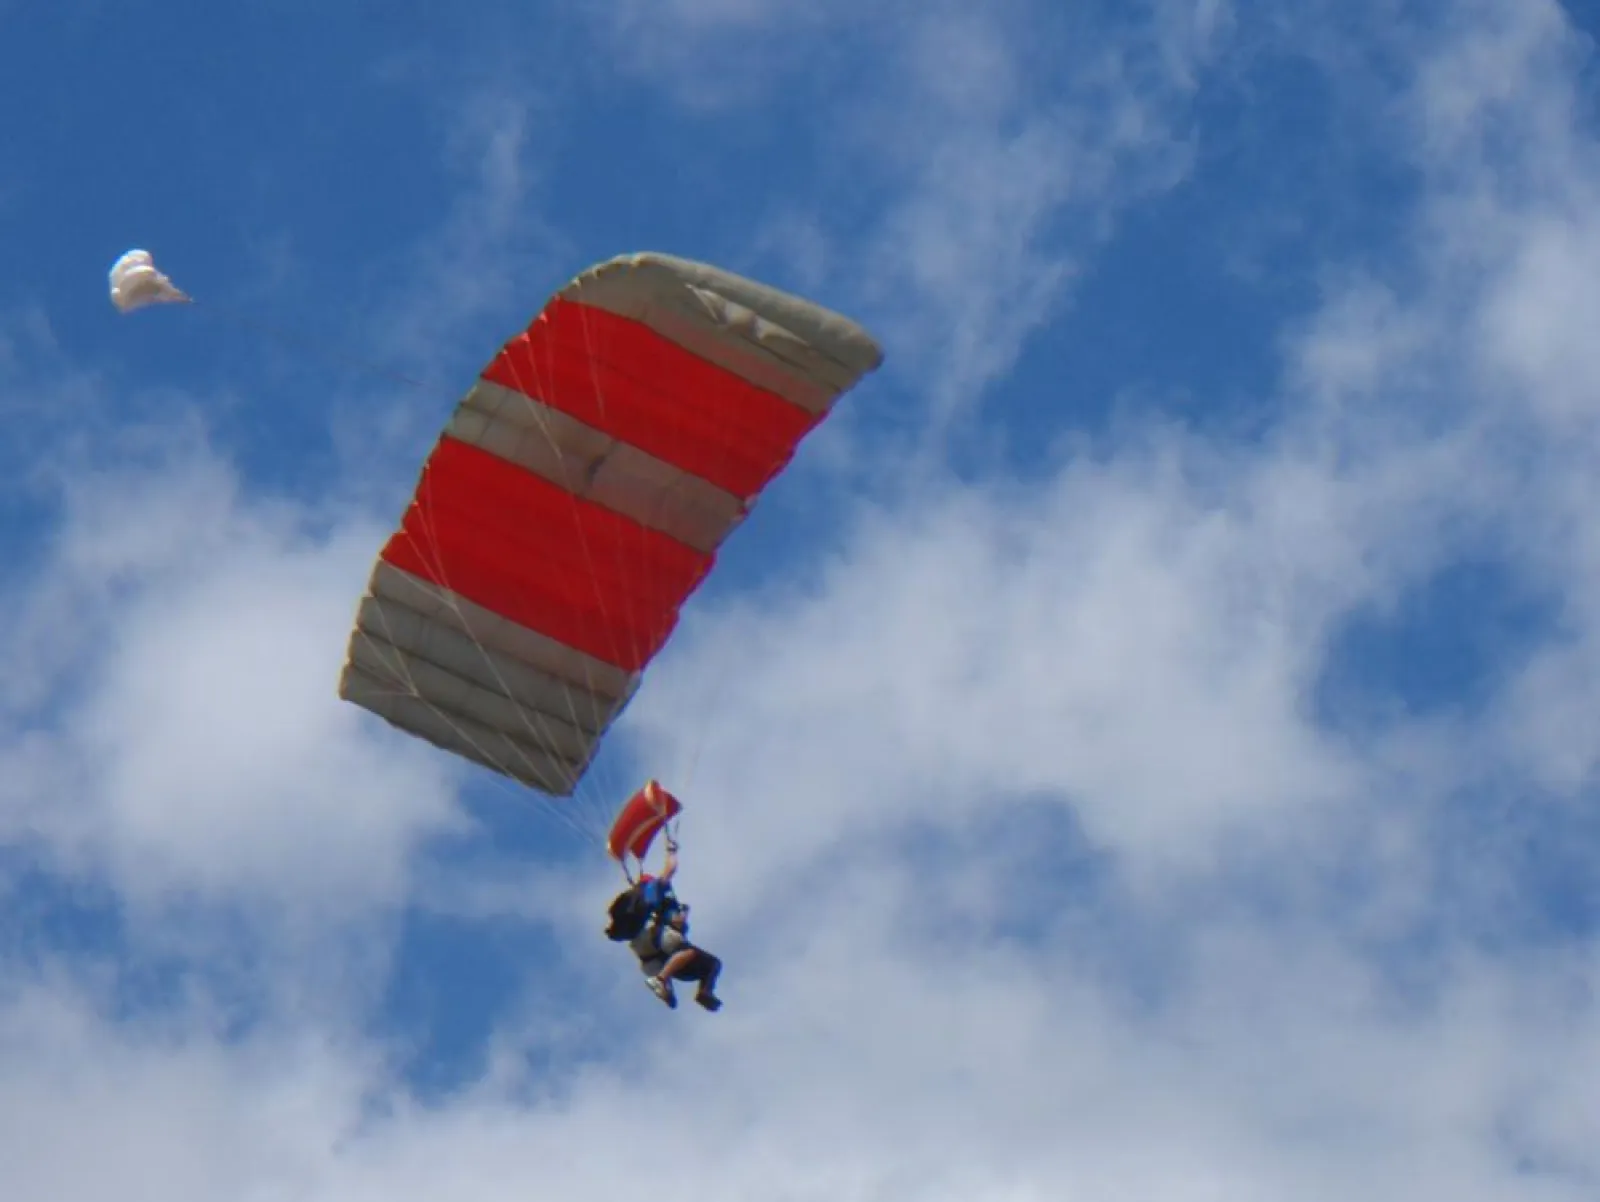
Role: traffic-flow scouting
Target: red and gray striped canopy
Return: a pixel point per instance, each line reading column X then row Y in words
column 578, row 497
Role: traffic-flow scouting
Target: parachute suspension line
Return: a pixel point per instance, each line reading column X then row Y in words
column 504, row 777
column 542, row 731
column 543, row 389
column 619, row 555
column 535, row 724
column 634, row 569
column 530, row 389
column 431, row 551
column 702, row 723
column 599, row 808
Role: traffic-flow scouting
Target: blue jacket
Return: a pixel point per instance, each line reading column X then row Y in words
column 658, row 895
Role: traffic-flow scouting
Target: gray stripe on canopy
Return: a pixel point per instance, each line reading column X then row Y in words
column 590, row 464
column 458, row 733
column 430, row 641
column 495, row 633
column 465, row 679
column 503, row 710
column 778, row 341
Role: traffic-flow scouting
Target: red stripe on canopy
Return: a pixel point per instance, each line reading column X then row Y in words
column 514, row 543
column 620, row 376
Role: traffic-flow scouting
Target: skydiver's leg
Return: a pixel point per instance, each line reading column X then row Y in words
column 697, row 964
column 678, row 963
column 710, row 969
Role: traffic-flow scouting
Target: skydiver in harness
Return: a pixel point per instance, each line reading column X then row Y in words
column 662, row 942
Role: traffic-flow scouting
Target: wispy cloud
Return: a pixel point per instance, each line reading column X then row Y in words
column 488, row 265
column 200, row 748
column 993, row 194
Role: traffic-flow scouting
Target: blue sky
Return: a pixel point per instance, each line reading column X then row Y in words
column 1144, row 747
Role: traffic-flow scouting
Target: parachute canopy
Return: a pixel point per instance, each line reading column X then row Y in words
column 577, row 498
column 639, row 820
column 135, row 283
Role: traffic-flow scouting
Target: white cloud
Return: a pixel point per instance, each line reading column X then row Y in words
column 202, row 746
column 920, row 1071
column 1002, row 197
column 1539, row 321
column 995, row 193
column 93, row 1110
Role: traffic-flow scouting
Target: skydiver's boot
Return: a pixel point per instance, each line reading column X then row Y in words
column 663, row 990
column 708, row 999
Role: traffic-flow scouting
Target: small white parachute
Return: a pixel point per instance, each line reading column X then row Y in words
column 135, row 283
